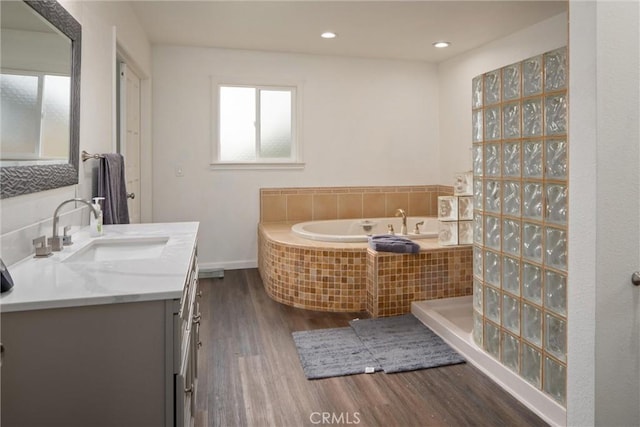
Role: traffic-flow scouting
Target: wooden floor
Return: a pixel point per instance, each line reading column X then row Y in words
column 250, row 374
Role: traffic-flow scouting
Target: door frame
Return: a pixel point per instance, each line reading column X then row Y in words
column 146, row 153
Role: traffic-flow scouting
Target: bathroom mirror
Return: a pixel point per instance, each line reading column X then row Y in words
column 40, row 65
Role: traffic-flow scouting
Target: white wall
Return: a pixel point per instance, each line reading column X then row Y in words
column 365, row 122
column 454, row 77
column 96, row 119
column 99, row 21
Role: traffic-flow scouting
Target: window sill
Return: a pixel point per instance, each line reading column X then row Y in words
column 257, row 166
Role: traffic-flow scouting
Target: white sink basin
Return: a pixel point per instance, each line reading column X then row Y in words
column 120, row 249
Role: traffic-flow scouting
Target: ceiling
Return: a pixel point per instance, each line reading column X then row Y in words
column 397, row 29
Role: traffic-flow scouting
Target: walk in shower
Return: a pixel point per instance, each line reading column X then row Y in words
column 519, row 317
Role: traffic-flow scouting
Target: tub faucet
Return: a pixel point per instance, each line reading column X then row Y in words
column 401, row 212
column 55, row 240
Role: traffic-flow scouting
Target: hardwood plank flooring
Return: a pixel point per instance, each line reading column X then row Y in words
column 250, row 374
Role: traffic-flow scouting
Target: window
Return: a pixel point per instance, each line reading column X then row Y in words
column 35, row 115
column 256, row 125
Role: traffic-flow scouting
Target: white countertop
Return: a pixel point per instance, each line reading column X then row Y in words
column 51, row 282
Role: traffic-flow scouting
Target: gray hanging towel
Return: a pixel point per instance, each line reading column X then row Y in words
column 112, row 186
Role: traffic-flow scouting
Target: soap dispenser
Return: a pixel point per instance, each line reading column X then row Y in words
column 95, row 224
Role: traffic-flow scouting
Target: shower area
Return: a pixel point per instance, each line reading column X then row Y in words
column 514, row 328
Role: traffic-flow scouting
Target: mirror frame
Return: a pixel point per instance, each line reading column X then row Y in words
column 19, row 180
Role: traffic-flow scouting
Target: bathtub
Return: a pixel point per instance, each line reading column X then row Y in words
column 349, row 277
column 358, row 230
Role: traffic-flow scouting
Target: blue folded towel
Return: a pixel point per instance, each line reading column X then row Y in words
column 392, row 243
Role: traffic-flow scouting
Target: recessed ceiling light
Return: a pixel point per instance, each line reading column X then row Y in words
column 328, row 35
column 441, row 44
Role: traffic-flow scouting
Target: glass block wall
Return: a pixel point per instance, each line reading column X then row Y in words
column 519, row 115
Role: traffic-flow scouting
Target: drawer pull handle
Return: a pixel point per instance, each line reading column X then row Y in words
column 189, row 390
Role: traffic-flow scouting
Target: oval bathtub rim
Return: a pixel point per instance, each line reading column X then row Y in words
column 298, row 230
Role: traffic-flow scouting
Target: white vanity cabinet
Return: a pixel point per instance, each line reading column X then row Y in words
column 119, row 350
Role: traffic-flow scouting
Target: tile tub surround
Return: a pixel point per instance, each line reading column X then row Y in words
column 336, row 276
column 320, row 203
column 320, row 278
column 394, row 281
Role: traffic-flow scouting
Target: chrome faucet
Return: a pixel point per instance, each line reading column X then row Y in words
column 401, row 212
column 56, row 240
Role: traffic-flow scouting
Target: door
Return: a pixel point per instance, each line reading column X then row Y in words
column 617, row 338
column 129, row 136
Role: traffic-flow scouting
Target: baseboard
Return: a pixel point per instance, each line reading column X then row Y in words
column 227, row 265
column 210, row 273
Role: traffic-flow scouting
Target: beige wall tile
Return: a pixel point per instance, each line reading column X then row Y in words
column 349, row 206
column 396, row 201
column 325, row 206
column 307, row 203
column 445, row 190
column 290, row 191
column 270, row 191
column 273, row 208
column 433, row 204
column 321, row 190
column 299, row 207
column 341, row 190
column 419, row 204
column 373, row 205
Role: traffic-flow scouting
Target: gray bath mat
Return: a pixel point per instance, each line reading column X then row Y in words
column 403, row 343
column 332, row 352
column 392, row 344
